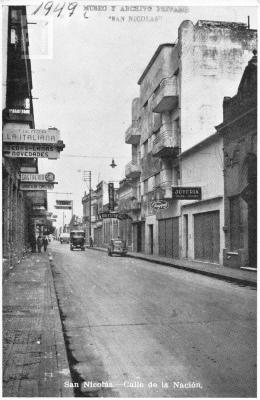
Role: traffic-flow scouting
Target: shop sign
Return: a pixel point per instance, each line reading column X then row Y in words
column 27, row 135
column 186, row 193
column 63, row 204
column 108, row 215
column 159, row 204
column 28, row 170
column 30, row 151
column 63, row 207
column 111, row 196
column 124, row 216
column 49, row 177
column 36, row 186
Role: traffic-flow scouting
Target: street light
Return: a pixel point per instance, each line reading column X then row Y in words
column 113, row 164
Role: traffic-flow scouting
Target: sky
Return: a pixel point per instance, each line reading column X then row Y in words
column 85, row 73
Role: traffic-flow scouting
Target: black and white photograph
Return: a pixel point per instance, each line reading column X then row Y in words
column 129, row 198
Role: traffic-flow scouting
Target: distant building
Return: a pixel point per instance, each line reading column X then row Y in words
column 103, row 228
column 239, row 132
column 181, row 92
column 129, row 198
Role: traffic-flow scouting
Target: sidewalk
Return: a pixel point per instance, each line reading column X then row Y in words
column 214, row 270
column 34, row 355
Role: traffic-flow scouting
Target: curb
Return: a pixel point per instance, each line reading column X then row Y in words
column 61, row 346
column 189, row 269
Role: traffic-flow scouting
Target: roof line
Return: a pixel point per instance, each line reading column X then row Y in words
column 153, row 59
column 199, row 145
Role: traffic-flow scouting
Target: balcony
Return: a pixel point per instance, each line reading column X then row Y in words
column 132, row 170
column 166, row 97
column 18, row 114
column 132, row 135
column 129, row 204
column 165, row 144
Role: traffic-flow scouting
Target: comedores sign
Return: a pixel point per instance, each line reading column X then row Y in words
column 30, row 151
column 186, row 193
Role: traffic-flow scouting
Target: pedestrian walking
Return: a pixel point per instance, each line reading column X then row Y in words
column 90, row 242
column 33, row 244
column 45, row 242
column 39, row 244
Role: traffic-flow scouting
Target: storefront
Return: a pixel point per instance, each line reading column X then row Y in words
column 169, row 237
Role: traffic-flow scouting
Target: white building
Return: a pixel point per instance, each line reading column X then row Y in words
column 180, row 102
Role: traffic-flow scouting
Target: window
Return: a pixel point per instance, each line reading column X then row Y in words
column 13, row 36
column 138, row 192
column 146, row 186
column 157, row 180
column 134, row 153
column 145, row 147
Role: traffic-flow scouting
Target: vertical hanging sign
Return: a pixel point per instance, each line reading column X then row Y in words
column 111, row 196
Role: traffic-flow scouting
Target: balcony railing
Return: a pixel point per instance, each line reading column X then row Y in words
column 132, row 170
column 166, row 98
column 19, row 114
column 132, row 135
column 165, row 144
column 129, row 204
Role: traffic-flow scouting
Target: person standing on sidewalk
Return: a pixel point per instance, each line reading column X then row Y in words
column 39, row 244
column 90, row 242
column 45, row 242
column 33, row 244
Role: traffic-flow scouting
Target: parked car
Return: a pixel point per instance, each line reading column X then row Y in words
column 117, row 246
column 64, row 238
column 77, row 240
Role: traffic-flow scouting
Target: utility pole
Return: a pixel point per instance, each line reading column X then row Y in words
column 87, row 178
column 89, row 205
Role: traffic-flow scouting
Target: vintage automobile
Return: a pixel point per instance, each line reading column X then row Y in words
column 64, row 238
column 77, row 240
column 117, row 246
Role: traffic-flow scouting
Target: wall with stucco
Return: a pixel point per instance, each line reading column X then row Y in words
column 213, row 59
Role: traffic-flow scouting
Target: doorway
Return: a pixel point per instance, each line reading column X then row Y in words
column 150, row 239
column 186, row 235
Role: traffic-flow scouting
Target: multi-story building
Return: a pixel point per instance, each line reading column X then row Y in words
column 24, row 197
column 87, row 198
column 239, row 132
column 181, row 92
column 103, row 227
column 17, row 107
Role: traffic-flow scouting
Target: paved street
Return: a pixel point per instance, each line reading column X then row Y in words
column 133, row 324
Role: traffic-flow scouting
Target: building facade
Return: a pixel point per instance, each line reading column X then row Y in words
column 239, row 132
column 17, row 110
column 181, row 92
column 24, row 195
column 103, row 227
